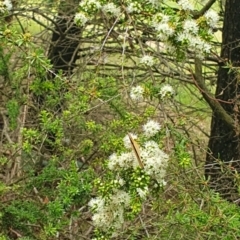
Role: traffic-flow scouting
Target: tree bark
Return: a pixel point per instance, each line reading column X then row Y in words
column 224, row 140
column 65, row 40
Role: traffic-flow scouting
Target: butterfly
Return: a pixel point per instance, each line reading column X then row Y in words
column 136, row 150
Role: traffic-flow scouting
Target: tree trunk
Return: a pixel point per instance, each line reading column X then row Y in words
column 65, row 40
column 224, row 140
column 63, row 54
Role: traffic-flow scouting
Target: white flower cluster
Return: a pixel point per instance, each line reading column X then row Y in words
column 190, row 36
column 155, row 161
column 136, row 93
column 151, row 128
column 112, row 9
column 125, row 160
column 185, row 32
column 186, row 5
column 161, row 23
column 147, row 60
column 133, row 7
column 194, row 43
column 212, row 18
column 190, row 26
column 127, row 142
column 109, row 213
column 166, row 91
column 143, row 192
column 90, row 5
column 149, row 153
column 6, row 5
column 80, row 19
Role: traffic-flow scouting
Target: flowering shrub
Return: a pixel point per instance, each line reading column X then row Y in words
column 137, row 168
column 132, row 175
column 102, row 136
column 179, row 31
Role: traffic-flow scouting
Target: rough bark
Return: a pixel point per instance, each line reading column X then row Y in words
column 65, row 40
column 224, row 139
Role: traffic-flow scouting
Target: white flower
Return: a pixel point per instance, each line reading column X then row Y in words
column 121, row 181
column 97, row 204
column 164, row 29
column 111, row 9
column 166, row 91
column 103, row 219
column 133, row 7
column 164, row 183
column 194, row 43
column 136, row 93
column 142, row 192
column 112, row 214
column 210, row 31
column 212, row 18
column 156, row 165
column 127, row 142
column 113, row 162
column 150, row 152
column 151, row 128
column 8, row 4
column 125, row 161
column 80, row 19
column 159, row 18
column 190, row 26
column 90, row 5
column 118, row 215
column 147, row 60
column 206, row 47
column 120, row 198
column 155, row 161
column 184, row 37
column 199, row 45
column 185, row 5
column 161, row 24
column 151, row 146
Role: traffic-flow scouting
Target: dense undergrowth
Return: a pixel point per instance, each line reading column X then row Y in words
column 63, row 151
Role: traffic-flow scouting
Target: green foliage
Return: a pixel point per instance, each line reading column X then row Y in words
column 73, row 125
column 211, row 218
column 47, row 207
column 13, row 111
column 181, row 151
column 3, row 64
column 23, row 212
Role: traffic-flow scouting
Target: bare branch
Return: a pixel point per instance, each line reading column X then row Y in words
column 204, row 9
column 209, row 97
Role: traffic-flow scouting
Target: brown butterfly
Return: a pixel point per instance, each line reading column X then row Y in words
column 136, row 150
